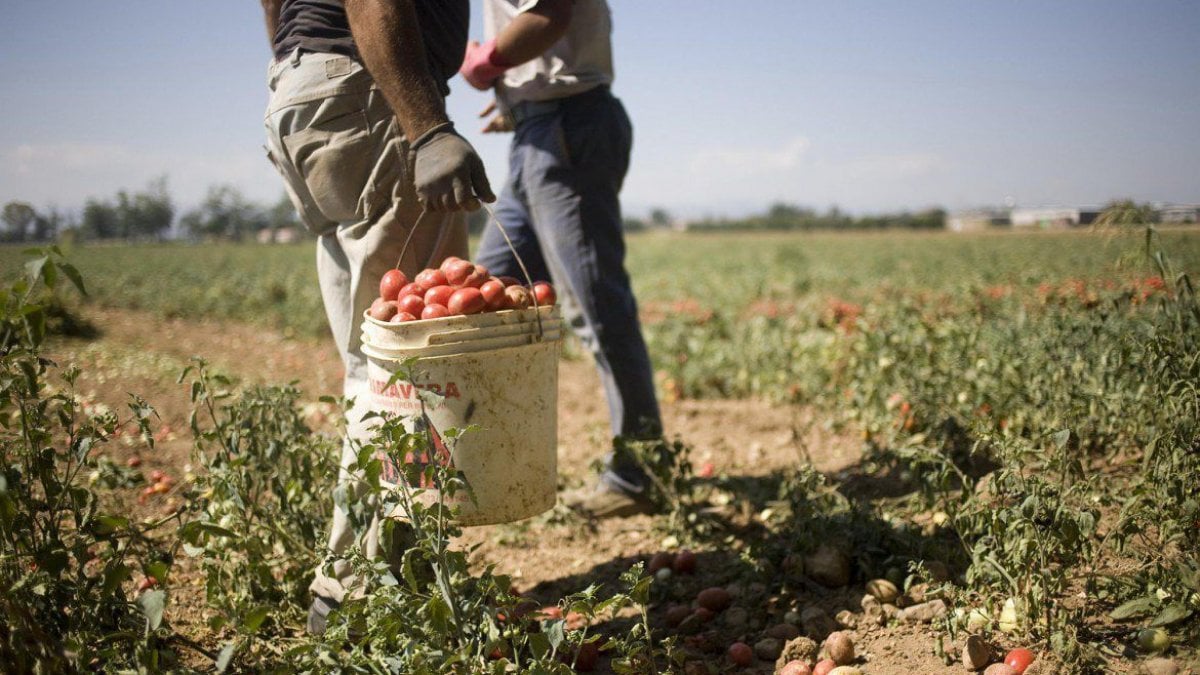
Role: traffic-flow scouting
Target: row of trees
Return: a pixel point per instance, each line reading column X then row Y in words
column 149, row 214
column 781, row 216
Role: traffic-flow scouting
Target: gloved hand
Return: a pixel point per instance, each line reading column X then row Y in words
column 447, row 171
column 483, row 65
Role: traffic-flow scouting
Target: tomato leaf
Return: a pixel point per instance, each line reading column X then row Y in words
column 1134, row 608
column 1171, row 614
column 255, row 617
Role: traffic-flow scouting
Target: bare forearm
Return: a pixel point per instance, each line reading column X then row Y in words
column 531, row 33
column 271, row 14
column 389, row 41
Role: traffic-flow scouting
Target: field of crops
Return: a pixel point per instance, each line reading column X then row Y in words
column 1024, row 408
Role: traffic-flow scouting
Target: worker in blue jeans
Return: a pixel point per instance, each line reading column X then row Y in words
column 550, row 64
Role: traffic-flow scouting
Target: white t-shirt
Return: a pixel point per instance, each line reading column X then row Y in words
column 579, row 61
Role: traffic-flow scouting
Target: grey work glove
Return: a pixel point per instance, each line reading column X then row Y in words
column 448, row 173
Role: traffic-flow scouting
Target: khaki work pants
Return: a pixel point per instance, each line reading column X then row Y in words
column 346, row 167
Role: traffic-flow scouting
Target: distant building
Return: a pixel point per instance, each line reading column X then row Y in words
column 977, row 220
column 282, row 235
column 1048, row 218
column 1179, row 213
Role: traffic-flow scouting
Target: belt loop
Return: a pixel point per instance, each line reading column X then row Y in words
column 295, row 57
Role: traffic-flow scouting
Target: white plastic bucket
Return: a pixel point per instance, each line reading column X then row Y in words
column 496, row 371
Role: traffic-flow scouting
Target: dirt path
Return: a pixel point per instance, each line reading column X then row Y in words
column 550, row 555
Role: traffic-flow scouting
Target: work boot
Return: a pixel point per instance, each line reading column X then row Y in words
column 612, row 496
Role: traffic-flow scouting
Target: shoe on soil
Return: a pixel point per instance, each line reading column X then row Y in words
column 318, row 614
column 610, row 497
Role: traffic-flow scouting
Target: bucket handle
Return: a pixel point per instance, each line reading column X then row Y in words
column 537, row 314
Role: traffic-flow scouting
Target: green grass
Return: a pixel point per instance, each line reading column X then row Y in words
column 276, row 285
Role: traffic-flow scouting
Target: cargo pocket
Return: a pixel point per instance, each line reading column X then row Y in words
column 334, row 157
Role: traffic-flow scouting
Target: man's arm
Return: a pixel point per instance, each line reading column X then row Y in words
column 271, row 13
column 447, row 172
column 389, row 41
column 527, row 37
column 531, row 33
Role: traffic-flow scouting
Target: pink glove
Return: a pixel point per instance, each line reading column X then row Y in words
column 483, row 65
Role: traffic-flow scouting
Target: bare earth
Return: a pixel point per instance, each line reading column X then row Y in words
column 547, row 556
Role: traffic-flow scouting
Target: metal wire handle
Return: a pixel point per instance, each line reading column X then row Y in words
column 493, row 220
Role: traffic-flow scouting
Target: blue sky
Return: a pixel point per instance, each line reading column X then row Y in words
column 872, row 106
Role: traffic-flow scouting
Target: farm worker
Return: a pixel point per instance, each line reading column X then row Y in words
column 357, row 127
column 550, row 64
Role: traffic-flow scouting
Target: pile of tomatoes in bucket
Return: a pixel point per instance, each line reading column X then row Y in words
column 457, row 287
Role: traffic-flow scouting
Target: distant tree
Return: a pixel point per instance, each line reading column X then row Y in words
column 18, row 218
column 1126, row 212
column 99, row 220
column 225, row 213
column 660, row 217
column 48, row 224
column 633, row 224
column 145, row 214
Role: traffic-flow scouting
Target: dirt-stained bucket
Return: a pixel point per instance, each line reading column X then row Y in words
column 496, row 371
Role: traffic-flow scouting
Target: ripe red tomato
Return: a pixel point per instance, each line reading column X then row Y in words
column 493, row 295
column 439, row 295
column 715, row 599
column 1019, row 659
column 457, row 271
column 675, row 615
column 448, row 263
column 466, row 300
column 795, row 668
column 391, row 283
column 147, row 583
column 412, row 304
column 740, row 654
column 685, row 562
column 544, row 294
column 660, row 561
column 412, row 288
column 382, row 310
column 434, row 312
column 428, row 279
column 401, row 317
column 586, row 657
column 823, row 667
column 519, row 297
column 133, row 462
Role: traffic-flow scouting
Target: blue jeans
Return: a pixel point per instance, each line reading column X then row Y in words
column 561, row 210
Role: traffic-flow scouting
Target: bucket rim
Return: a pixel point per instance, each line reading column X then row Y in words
column 468, row 319
column 382, row 353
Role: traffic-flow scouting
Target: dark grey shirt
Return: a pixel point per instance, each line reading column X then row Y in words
column 321, row 26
